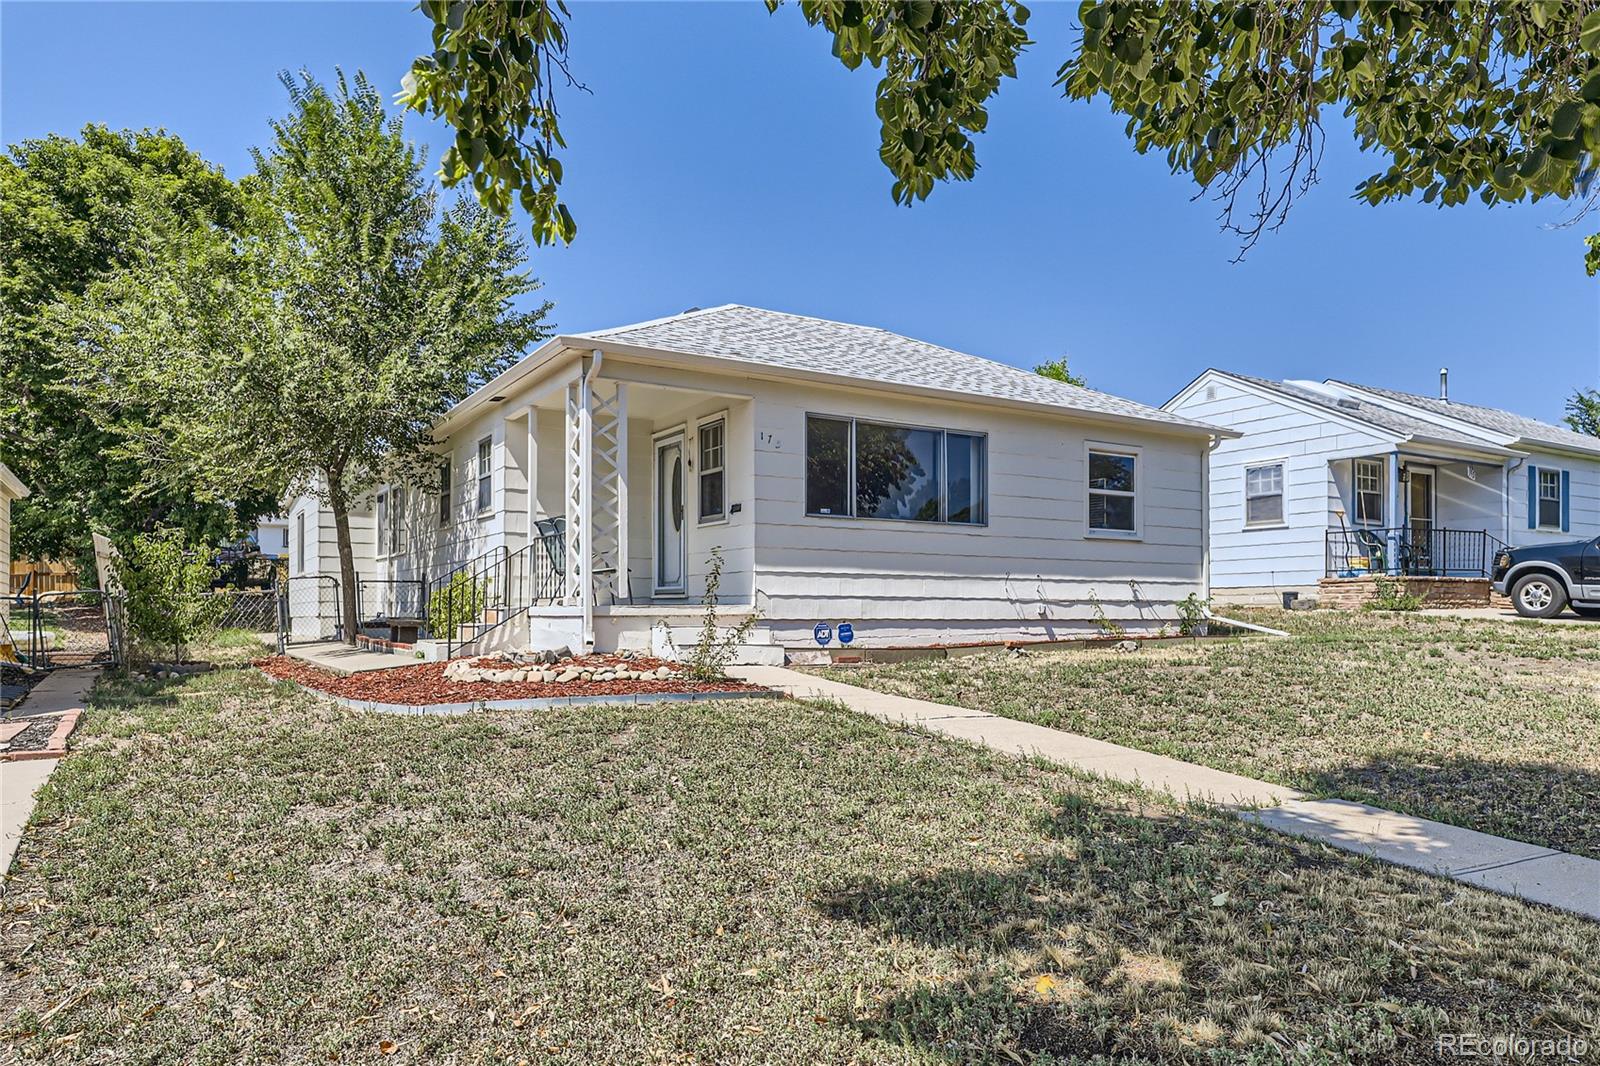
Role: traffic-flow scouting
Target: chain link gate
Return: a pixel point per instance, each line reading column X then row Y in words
column 309, row 610
column 64, row 628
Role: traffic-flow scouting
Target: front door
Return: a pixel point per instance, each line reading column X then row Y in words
column 669, row 562
column 1420, row 515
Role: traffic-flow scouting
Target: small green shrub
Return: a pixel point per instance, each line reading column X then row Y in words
column 1191, row 614
column 1108, row 627
column 168, row 589
column 456, row 604
column 711, row 653
column 1391, row 595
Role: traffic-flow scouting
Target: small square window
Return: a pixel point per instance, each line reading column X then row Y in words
column 1368, row 492
column 1549, row 499
column 713, row 477
column 485, row 474
column 444, row 493
column 1113, row 499
column 1263, row 495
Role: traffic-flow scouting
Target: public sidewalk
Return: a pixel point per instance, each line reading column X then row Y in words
column 61, row 692
column 1570, row 882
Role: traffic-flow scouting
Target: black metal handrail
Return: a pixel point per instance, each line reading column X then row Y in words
column 1417, row 551
column 506, row 588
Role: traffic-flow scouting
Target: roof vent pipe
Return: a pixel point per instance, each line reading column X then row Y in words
column 1444, row 384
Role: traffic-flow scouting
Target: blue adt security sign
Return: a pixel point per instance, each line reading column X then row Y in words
column 847, row 632
column 824, row 633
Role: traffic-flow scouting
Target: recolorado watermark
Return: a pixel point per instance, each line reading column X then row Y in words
column 1512, row 1046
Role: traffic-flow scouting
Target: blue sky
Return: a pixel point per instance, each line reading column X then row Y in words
column 725, row 156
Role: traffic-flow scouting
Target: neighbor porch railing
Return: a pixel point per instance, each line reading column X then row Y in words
column 1417, row 551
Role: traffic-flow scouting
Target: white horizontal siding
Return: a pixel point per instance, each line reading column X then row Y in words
column 1031, row 571
column 1293, row 554
column 1584, row 476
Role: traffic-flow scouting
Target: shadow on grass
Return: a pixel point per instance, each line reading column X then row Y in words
column 1546, row 804
column 1175, row 936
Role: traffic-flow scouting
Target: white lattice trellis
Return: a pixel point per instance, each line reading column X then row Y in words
column 597, row 490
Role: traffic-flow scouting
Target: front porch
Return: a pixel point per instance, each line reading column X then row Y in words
column 603, row 491
column 1415, row 515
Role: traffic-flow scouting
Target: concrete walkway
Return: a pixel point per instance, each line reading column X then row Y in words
column 1541, row 875
column 64, row 690
column 340, row 658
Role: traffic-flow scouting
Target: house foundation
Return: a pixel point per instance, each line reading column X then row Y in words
column 1355, row 593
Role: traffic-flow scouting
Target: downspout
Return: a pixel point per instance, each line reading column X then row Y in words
column 1392, row 514
column 1506, row 470
column 1212, row 444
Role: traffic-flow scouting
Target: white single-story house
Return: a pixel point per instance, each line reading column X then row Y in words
column 271, row 536
column 860, row 486
column 11, row 488
column 1331, row 480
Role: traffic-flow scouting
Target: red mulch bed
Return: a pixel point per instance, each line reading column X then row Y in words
column 425, row 682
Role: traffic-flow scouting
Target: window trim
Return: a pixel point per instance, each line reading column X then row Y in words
column 1356, row 490
column 483, row 472
column 1128, row 451
column 300, row 530
column 943, row 521
column 380, row 523
column 700, row 426
column 1282, row 493
column 446, row 493
column 1540, row 498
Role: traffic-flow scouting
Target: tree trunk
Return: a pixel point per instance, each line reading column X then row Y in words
column 347, row 559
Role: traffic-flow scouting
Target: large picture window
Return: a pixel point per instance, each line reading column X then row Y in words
column 1263, row 495
column 1113, row 492
column 861, row 469
column 1369, row 492
column 1549, row 499
column 713, row 477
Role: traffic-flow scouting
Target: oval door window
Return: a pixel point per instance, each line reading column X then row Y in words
column 677, row 493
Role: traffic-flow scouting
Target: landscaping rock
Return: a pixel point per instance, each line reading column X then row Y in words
column 567, row 675
column 1127, row 645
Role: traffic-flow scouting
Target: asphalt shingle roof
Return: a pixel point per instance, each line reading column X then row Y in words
column 796, row 342
column 1490, row 418
column 1382, row 417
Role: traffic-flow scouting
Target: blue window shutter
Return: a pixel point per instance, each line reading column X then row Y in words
column 1566, row 501
column 1533, row 497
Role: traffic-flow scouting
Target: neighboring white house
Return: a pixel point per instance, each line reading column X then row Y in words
column 272, row 536
column 1335, row 479
column 11, row 488
column 857, row 483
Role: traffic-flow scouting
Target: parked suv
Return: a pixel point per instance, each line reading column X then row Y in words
column 1544, row 578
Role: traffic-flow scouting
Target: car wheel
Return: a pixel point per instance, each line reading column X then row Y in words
column 1538, row 596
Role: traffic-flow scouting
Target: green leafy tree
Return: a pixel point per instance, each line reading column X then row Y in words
column 167, row 583
column 1056, row 370
column 323, row 347
column 1583, row 412
column 1495, row 101
column 74, row 213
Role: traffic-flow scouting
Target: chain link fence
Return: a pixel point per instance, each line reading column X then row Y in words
column 255, row 610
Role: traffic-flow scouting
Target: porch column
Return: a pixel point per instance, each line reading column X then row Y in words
column 1391, row 515
column 580, row 473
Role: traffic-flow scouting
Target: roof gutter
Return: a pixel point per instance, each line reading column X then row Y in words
column 13, row 484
